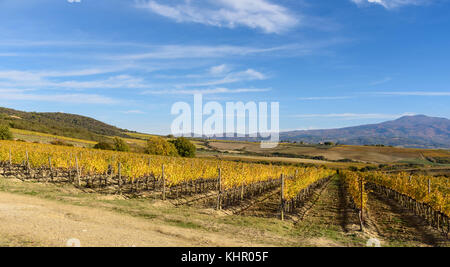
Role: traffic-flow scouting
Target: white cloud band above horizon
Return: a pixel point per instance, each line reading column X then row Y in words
column 354, row 116
column 254, row 14
column 391, row 4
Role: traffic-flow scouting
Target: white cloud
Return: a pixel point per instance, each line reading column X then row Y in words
column 217, row 70
column 414, row 93
column 254, row 14
column 133, row 112
column 352, row 116
column 9, row 54
column 318, row 98
column 390, row 4
column 42, row 79
column 59, row 98
column 382, row 81
column 234, row 77
column 206, row 91
column 74, row 1
column 187, row 51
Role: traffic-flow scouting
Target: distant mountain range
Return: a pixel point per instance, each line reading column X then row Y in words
column 410, row 131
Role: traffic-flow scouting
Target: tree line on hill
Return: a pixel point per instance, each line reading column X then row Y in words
column 155, row 145
column 61, row 124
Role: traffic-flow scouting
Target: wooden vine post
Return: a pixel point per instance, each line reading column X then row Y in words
column 119, row 181
column 361, row 212
column 219, row 188
column 10, row 157
column 429, row 186
column 282, row 197
column 78, row 171
column 147, row 179
column 110, row 178
column 28, row 162
column 164, row 184
column 50, row 166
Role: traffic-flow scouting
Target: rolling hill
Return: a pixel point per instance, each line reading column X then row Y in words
column 62, row 124
column 410, row 131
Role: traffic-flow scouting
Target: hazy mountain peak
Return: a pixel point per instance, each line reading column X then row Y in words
column 408, row 131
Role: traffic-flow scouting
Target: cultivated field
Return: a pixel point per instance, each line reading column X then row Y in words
column 368, row 154
column 279, row 205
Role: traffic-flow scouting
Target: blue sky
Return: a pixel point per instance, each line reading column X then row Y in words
column 330, row 63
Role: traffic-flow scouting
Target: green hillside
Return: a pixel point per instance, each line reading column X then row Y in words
column 62, row 124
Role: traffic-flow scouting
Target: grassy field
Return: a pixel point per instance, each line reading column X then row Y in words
column 361, row 154
column 112, row 220
column 31, row 136
column 210, row 226
column 282, row 160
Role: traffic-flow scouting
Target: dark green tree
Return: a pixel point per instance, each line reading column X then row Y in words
column 160, row 146
column 184, row 147
column 120, row 145
column 103, row 146
column 5, row 133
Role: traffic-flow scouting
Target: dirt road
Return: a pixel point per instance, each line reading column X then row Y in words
column 32, row 221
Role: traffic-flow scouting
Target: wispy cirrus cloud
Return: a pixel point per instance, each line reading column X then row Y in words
column 377, row 94
column 264, row 15
column 390, row 4
column 382, row 81
column 353, row 116
column 94, row 99
column 140, row 51
column 46, row 79
column 232, row 77
column 413, row 93
column 319, row 98
column 134, row 111
column 206, row 91
column 199, row 51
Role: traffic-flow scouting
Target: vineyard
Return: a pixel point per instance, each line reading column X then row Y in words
column 226, row 183
column 172, row 177
column 425, row 196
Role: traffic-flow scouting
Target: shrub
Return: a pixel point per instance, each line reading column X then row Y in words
column 103, row 146
column 353, row 168
column 60, row 143
column 184, row 147
column 5, row 133
column 159, row 146
column 120, row 145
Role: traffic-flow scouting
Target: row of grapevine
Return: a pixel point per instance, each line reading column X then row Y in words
column 434, row 191
column 300, row 186
column 122, row 172
column 426, row 196
column 356, row 188
column 295, row 188
column 177, row 171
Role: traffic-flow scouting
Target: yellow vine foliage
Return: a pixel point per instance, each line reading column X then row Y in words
column 303, row 179
column 416, row 187
column 356, row 188
column 133, row 165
